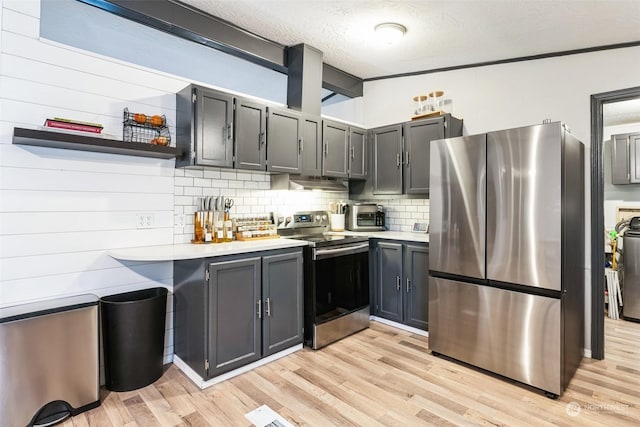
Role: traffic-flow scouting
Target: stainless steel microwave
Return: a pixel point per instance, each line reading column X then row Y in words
column 365, row 217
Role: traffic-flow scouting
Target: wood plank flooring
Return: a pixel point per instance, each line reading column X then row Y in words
column 384, row 376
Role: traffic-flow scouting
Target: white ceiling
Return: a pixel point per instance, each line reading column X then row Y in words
column 439, row 33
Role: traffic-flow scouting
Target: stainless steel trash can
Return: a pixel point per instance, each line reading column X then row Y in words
column 49, row 360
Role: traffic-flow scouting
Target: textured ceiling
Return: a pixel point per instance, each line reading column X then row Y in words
column 439, row 33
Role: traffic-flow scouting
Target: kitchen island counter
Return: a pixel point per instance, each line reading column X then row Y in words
column 194, row 251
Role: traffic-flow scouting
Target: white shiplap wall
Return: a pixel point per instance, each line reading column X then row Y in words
column 62, row 210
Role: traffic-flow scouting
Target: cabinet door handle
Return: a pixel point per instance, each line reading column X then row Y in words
column 267, row 308
column 259, row 309
column 408, row 285
column 230, row 130
column 398, row 283
column 326, row 148
column 398, row 159
column 301, row 144
column 407, row 158
column 261, row 139
column 353, row 152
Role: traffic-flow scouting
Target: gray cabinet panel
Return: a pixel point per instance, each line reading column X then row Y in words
column 204, row 127
column 416, row 271
column 233, row 324
column 190, row 313
column 284, row 141
column 620, row 159
column 387, row 159
column 282, row 299
column 336, row 144
column 401, row 282
column 389, row 281
column 634, row 158
column 357, row 153
column 625, row 158
column 311, row 158
column 250, row 137
column 417, row 138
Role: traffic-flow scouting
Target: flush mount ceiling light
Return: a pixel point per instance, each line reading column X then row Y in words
column 390, row 32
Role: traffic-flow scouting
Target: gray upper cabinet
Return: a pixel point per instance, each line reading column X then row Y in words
column 357, row 153
column 282, row 295
column 399, row 157
column 335, row 149
column 234, row 322
column 387, row 160
column 625, row 158
column 417, row 138
column 311, row 146
column 204, row 127
column 284, row 141
column 250, row 135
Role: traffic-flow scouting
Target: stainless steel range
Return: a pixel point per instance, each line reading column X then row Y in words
column 336, row 278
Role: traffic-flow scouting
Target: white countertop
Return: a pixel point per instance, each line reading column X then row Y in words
column 193, row 251
column 391, row 235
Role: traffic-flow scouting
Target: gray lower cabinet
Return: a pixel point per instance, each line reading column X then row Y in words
column 233, row 310
column 250, row 135
column 401, row 282
column 204, row 127
column 625, row 158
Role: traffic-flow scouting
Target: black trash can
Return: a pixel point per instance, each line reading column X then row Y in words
column 133, row 325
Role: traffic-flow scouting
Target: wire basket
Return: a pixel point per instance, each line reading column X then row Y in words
column 137, row 127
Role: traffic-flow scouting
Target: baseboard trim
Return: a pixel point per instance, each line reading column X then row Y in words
column 400, row 326
column 200, row 382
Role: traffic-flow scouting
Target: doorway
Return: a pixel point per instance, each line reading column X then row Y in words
column 597, row 212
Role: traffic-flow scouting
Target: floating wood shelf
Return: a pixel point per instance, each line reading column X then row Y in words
column 69, row 141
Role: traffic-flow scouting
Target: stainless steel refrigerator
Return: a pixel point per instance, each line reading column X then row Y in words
column 506, row 253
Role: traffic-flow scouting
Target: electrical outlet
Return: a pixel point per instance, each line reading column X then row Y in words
column 180, row 220
column 144, row 220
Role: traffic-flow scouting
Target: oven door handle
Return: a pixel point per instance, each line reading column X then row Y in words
column 345, row 250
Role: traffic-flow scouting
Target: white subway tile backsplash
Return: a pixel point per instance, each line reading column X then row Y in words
column 228, row 175
column 244, row 176
column 194, row 173
column 192, row 191
column 202, row 182
column 219, row 183
column 250, row 184
column 212, row 174
column 183, row 181
column 236, row 184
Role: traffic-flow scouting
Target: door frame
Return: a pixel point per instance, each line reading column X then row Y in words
column 597, row 212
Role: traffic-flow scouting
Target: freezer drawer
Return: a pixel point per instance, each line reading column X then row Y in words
column 510, row 333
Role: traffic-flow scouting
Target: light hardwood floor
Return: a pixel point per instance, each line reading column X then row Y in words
column 384, row 376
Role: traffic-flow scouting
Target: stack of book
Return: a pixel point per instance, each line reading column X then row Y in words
column 67, row 124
